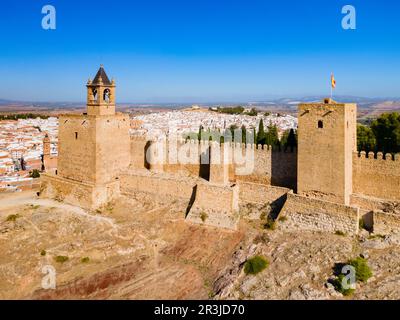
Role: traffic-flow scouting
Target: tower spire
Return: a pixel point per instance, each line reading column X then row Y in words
column 101, row 94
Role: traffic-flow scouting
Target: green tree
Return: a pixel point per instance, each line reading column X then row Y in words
column 261, row 137
column 253, row 112
column 271, row 137
column 244, row 132
column 34, row 173
column 289, row 139
column 200, row 131
column 365, row 139
column 387, row 132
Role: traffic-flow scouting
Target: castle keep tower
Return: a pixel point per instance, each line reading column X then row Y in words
column 326, row 142
column 94, row 147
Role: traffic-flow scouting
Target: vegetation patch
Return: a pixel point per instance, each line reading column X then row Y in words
column 270, row 224
column 61, row 259
column 282, row 219
column 363, row 271
column 376, row 236
column 43, row 252
column 12, row 217
column 362, row 225
column 338, row 285
column 34, row 173
column 85, row 260
column 362, row 274
column 340, row 233
column 255, row 265
column 203, row 216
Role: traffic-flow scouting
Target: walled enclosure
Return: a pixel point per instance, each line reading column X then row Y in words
column 98, row 160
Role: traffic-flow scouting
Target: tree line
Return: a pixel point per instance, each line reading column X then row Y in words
column 236, row 110
column 264, row 136
column 382, row 135
column 16, row 116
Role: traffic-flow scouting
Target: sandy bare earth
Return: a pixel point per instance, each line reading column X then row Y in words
column 139, row 249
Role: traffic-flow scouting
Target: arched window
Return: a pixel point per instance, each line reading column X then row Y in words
column 106, row 95
column 94, row 92
column 320, row 124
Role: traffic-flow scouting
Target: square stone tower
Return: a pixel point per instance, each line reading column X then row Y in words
column 327, row 138
column 93, row 148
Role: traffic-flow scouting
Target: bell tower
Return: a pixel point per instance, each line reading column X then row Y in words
column 100, row 94
column 93, row 149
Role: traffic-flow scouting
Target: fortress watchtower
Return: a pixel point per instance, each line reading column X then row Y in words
column 93, row 149
column 326, row 142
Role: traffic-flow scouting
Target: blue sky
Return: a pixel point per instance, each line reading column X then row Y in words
column 205, row 50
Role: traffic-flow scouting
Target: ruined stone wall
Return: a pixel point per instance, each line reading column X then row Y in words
column 314, row 214
column 259, row 193
column 378, row 178
column 84, row 195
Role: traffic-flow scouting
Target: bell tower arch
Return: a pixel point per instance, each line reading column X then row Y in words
column 101, row 94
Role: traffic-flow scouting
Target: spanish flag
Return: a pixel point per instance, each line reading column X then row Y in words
column 333, row 81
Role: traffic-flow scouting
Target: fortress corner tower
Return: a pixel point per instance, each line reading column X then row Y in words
column 326, row 142
column 93, row 149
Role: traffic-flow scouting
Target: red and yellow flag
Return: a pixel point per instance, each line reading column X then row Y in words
column 333, row 81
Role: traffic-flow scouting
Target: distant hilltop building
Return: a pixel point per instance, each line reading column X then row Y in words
column 324, row 184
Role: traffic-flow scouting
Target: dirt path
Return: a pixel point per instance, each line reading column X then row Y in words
column 30, row 198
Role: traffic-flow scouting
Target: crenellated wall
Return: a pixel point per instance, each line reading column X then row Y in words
column 247, row 162
column 376, row 177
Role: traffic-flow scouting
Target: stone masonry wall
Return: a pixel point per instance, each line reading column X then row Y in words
column 378, row 178
column 314, row 214
column 252, row 163
column 84, row 195
column 259, row 193
column 160, row 186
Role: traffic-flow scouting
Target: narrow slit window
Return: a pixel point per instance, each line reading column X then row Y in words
column 76, row 135
column 320, row 124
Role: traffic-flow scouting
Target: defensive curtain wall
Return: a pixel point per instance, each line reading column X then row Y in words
column 266, row 175
column 324, row 185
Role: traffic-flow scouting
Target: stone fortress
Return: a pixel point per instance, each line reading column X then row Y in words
column 325, row 184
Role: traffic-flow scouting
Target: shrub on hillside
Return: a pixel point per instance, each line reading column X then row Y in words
column 255, row 265
column 363, row 271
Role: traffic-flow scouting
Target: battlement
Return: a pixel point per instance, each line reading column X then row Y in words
column 222, row 145
column 377, row 156
column 376, row 175
column 138, row 138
